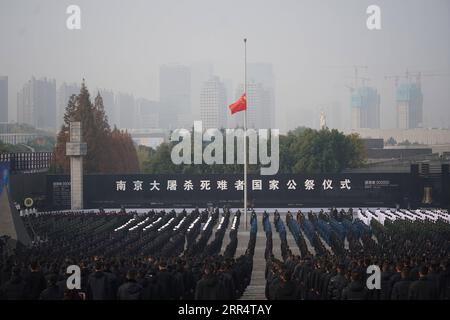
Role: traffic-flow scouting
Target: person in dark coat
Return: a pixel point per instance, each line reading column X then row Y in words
column 422, row 289
column 325, row 282
column 53, row 291
column 164, row 283
column 386, row 282
column 444, row 281
column 209, row 286
column 356, row 289
column 337, row 284
column 35, row 282
column 98, row 284
column 286, row 289
column 150, row 291
column 397, row 275
column 401, row 288
column 188, row 282
column 177, row 282
column 112, row 281
column 433, row 274
column 14, row 288
column 227, row 282
column 130, row 290
column 273, row 282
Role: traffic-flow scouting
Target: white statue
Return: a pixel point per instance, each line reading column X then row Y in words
column 323, row 121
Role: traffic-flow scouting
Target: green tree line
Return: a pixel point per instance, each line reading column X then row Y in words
column 302, row 150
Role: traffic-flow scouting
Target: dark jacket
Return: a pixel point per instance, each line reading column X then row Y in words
column 164, row 282
column 34, row 284
column 355, row 291
column 422, row 289
column 178, row 285
column 324, row 284
column 272, row 287
column 112, row 284
column 14, row 289
column 400, row 290
column 51, row 293
column 444, row 285
column 286, row 291
column 227, row 282
column 98, row 286
column 335, row 287
column 386, row 286
column 150, row 288
column 208, row 288
column 130, row 290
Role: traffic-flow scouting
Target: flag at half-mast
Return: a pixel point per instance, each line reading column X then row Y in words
column 239, row 105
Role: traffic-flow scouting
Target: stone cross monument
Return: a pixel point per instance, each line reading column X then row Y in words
column 76, row 149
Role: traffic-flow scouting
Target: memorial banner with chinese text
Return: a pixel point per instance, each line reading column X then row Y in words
column 142, row 191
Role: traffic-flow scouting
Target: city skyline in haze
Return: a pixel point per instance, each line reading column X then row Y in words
column 312, row 46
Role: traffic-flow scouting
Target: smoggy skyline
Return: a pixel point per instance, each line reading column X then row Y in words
column 122, row 44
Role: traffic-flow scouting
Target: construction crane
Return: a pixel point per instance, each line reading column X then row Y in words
column 352, row 89
column 419, row 75
column 363, row 80
column 410, row 75
column 356, row 69
column 395, row 77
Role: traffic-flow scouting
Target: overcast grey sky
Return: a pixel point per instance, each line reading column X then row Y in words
column 122, row 43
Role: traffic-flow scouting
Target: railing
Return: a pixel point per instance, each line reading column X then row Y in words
column 27, row 162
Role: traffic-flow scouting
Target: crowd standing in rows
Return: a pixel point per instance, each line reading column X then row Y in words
column 413, row 257
column 155, row 256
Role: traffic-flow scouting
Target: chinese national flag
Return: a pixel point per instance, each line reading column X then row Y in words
column 239, row 105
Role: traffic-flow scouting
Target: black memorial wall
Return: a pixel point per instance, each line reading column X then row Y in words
column 142, row 191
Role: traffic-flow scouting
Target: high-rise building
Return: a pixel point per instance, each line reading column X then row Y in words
column 66, row 90
column 110, row 106
column 409, row 106
column 213, row 104
column 200, row 72
column 126, row 109
column 365, row 105
column 3, row 99
column 259, row 105
column 228, row 83
column 175, row 96
column 263, row 73
column 148, row 114
column 36, row 103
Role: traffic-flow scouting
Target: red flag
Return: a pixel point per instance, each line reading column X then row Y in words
column 239, row 105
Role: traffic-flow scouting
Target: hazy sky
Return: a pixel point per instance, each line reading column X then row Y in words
column 122, row 43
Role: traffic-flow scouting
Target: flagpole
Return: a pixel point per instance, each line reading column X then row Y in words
column 245, row 132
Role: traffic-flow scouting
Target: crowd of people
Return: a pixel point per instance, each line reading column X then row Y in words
column 187, row 255
column 413, row 256
column 153, row 256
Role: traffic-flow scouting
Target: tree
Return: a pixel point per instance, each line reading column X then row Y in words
column 405, row 143
column 13, row 148
column 107, row 151
column 391, row 141
column 42, row 144
column 160, row 161
column 3, row 147
column 301, row 151
column 324, row 151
